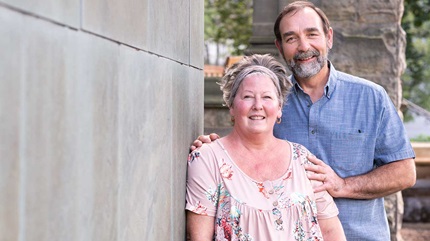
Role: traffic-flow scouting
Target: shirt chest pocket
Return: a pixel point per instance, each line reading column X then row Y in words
column 347, row 152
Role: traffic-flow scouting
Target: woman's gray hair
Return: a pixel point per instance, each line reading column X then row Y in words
column 257, row 63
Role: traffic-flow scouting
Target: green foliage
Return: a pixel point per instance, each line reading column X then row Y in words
column 416, row 79
column 421, row 138
column 228, row 23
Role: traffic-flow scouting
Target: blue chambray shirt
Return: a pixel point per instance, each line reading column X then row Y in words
column 354, row 128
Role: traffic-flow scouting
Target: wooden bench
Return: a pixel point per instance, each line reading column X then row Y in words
column 422, row 159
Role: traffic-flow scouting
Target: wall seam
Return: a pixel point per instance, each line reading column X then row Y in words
column 22, row 148
column 30, row 14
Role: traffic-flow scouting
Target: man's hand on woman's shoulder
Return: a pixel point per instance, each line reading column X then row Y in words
column 203, row 139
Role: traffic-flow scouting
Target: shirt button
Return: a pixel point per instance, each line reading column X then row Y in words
column 271, row 191
column 313, row 131
column 275, row 203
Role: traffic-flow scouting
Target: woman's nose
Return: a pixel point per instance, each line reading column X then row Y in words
column 258, row 104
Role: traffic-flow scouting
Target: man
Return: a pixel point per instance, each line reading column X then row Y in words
column 348, row 122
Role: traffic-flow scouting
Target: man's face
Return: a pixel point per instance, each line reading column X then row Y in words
column 304, row 45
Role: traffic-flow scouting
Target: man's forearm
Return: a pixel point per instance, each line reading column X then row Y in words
column 382, row 181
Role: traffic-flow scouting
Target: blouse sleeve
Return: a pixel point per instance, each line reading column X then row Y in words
column 326, row 207
column 202, row 182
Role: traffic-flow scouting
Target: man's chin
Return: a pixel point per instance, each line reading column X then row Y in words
column 305, row 72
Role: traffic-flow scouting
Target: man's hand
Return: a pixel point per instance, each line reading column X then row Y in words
column 375, row 184
column 324, row 173
column 203, row 139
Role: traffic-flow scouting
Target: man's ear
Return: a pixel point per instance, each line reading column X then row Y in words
column 330, row 37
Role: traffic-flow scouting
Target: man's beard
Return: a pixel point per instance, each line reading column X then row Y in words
column 306, row 70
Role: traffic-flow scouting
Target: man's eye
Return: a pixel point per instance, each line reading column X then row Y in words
column 290, row 40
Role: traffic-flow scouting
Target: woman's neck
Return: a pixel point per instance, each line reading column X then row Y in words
column 251, row 142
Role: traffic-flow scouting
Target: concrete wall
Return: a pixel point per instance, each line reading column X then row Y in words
column 99, row 102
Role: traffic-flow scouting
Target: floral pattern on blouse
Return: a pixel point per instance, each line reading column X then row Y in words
column 283, row 209
column 228, row 219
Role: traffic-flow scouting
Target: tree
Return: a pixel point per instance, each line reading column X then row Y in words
column 227, row 23
column 416, row 79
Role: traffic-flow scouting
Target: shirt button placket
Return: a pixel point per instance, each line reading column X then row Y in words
column 313, row 125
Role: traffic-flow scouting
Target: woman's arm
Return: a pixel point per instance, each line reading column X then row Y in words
column 200, row 227
column 331, row 229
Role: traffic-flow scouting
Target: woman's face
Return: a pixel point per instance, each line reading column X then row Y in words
column 256, row 105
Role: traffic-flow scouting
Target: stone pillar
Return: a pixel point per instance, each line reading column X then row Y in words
column 263, row 40
column 368, row 42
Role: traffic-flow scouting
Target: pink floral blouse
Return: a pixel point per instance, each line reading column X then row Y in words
column 245, row 209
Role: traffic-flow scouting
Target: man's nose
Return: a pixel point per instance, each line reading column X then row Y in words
column 303, row 44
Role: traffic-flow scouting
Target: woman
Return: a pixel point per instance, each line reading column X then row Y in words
column 249, row 185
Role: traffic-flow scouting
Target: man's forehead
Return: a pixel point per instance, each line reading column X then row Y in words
column 305, row 17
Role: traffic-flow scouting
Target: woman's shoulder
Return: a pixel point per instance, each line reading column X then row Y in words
column 299, row 153
column 296, row 147
column 206, row 151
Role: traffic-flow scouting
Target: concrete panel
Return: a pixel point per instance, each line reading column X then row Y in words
column 95, row 100
column 145, row 146
column 124, row 21
column 80, row 85
column 66, row 12
column 187, row 101
column 70, row 100
column 10, row 112
column 169, row 31
column 160, row 27
column 197, row 33
column 48, row 172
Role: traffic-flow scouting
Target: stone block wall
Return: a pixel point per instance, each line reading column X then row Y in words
column 369, row 41
column 99, row 102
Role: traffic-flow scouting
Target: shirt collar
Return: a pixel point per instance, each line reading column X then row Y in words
column 329, row 87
